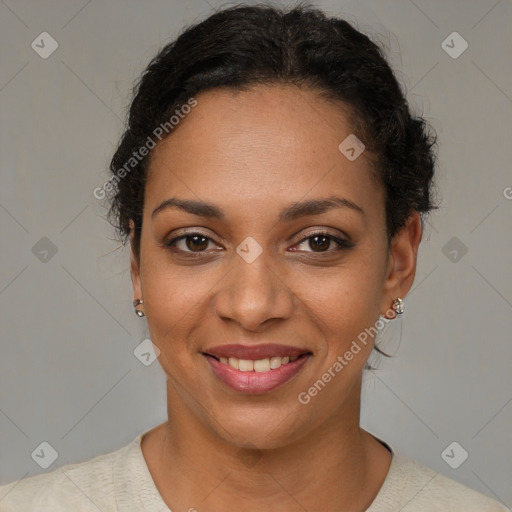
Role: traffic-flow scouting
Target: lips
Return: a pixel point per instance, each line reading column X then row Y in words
column 251, row 369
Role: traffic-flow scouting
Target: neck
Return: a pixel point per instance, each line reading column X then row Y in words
column 337, row 462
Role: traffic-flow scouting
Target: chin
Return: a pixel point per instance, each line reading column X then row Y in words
column 259, row 428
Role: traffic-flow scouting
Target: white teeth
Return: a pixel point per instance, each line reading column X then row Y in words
column 246, row 365
column 275, row 362
column 260, row 365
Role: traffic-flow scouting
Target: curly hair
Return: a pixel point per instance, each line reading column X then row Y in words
column 244, row 46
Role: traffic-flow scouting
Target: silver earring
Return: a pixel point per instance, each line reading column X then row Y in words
column 138, row 312
column 398, row 306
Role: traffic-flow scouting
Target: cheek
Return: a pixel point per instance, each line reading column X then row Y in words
column 173, row 305
column 345, row 295
column 169, row 290
column 344, row 303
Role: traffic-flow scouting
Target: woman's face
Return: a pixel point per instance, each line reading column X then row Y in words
column 262, row 264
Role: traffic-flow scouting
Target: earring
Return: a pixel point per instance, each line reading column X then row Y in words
column 398, row 306
column 138, row 312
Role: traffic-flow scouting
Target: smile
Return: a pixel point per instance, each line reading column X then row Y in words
column 260, row 365
column 256, row 369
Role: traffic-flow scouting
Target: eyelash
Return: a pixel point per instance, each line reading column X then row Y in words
column 342, row 244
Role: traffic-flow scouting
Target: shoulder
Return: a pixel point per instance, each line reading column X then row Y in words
column 83, row 486
column 422, row 489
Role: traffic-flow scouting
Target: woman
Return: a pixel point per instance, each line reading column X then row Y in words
column 271, row 183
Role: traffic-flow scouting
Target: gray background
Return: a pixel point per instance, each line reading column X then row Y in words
column 68, row 372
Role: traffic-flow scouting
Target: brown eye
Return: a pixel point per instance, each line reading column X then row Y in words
column 319, row 243
column 195, row 242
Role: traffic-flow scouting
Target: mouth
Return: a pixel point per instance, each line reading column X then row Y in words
column 258, row 365
column 256, row 369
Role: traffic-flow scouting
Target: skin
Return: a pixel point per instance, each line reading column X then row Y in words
column 253, row 153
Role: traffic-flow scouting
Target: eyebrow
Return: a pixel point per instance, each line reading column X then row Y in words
column 289, row 213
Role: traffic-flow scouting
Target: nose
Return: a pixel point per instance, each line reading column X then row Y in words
column 253, row 294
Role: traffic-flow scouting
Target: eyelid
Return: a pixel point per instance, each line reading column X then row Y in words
column 325, row 231
column 341, row 242
column 171, row 240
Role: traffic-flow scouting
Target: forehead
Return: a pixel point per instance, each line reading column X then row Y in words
column 263, row 144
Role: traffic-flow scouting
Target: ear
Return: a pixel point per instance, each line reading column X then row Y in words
column 402, row 259
column 135, row 268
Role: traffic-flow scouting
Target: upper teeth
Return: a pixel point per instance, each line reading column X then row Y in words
column 260, row 365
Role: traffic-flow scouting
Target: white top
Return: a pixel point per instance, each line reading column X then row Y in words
column 120, row 481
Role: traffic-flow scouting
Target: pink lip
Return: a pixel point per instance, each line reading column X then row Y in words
column 256, row 352
column 256, row 382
